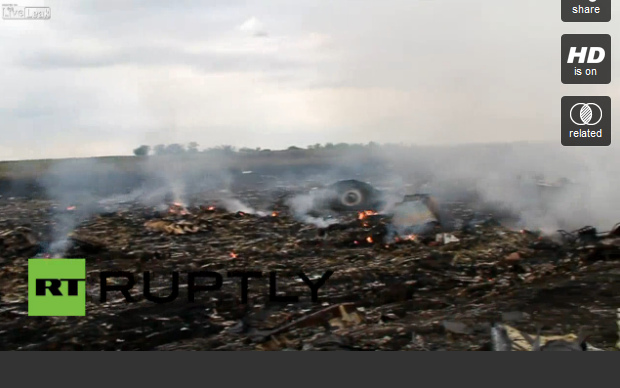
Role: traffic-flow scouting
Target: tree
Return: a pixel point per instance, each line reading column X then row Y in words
column 293, row 148
column 160, row 149
column 143, row 150
column 227, row 149
column 175, row 149
column 192, row 147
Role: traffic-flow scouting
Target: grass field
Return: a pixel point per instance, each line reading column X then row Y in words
column 266, row 162
column 36, row 168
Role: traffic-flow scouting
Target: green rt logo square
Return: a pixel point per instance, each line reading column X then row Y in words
column 57, row 287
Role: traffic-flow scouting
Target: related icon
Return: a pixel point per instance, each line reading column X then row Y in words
column 586, row 114
column 586, row 121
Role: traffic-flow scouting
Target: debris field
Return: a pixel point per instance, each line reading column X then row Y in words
column 436, row 291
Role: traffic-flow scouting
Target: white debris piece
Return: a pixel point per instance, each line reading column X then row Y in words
column 446, row 238
column 618, row 344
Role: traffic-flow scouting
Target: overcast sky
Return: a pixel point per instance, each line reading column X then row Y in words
column 102, row 77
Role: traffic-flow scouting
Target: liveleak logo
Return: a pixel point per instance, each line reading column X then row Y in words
column 57, row 287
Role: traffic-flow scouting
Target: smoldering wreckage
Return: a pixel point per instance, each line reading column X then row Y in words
column 408, row 273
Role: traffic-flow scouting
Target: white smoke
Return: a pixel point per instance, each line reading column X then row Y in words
column 548, row 186
column 234, row 205
column 303, row 204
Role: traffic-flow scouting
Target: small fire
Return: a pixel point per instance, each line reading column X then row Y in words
column 70, row 208
column 233, row 255
column 274, row 214
column 177, row 208
column 211, row 208
column 369, row 240
column 411, row 237
column 366, row 213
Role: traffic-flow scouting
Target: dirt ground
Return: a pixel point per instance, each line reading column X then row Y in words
column 411, row 294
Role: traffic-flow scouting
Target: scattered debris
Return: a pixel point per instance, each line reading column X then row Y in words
column 456, row 327
column 393, row 288
column 506, row 338
column 515, row 316
column 354, row 195
column 513, row 257
column 446, row 238
column 172, row 227
column 415, row 215
column 618, row 344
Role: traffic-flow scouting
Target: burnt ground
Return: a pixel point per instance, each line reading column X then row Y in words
column 415, row 294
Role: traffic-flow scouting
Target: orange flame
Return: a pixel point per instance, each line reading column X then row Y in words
column 211, row 208
column 177, row 208
column 233, row 255
column 369, row 240
column 274, row 214
column 364, row 214
column 71, row 208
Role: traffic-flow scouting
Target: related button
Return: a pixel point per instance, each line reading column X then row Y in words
column 586, row 59
column 586, row 10
column 586, row 121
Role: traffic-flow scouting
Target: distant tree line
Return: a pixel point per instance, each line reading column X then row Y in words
column 193, row 148
column 177, row 149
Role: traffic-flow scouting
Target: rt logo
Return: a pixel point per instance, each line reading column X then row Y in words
column 57, row 287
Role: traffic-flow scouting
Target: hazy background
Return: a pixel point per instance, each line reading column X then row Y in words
column 102, row 77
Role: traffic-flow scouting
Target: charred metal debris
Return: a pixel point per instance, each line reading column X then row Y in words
column 408, row 274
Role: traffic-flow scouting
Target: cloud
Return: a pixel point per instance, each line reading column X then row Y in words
column 210, row 61
column 427, row 72
column 254, row 27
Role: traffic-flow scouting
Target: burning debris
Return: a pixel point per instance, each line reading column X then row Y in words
column 236, row 206
column 178, row 209
column 401, row 280
column 365, row 214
